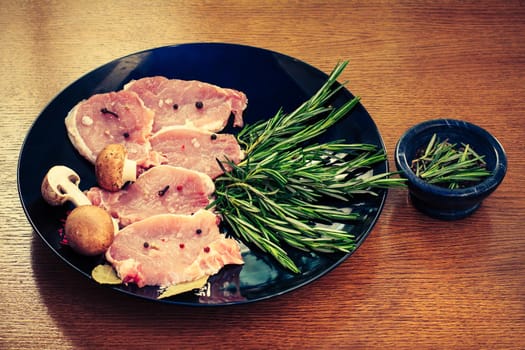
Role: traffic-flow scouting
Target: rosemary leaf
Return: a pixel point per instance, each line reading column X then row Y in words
column 272, row 199
column 448, row 165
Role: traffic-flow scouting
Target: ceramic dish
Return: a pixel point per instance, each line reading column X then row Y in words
column 270, row 80
column 440, row 202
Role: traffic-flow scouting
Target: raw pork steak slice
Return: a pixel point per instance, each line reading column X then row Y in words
column 113, row 117
column 196, row 149
column 189, row 102
column 159, row 190
column 168, row 249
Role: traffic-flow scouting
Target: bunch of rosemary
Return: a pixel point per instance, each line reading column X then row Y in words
column 276, row 197
column 449, row 165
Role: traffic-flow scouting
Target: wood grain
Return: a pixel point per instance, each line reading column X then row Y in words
column 415, row 282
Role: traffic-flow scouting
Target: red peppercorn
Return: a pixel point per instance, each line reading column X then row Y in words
column 179, row 187
column 206, row 249
column 181, row 245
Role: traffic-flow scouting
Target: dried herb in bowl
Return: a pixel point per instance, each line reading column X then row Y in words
column 442, row 166
column 449, row 165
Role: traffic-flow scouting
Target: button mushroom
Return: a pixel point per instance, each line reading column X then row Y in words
column 113, row 168
column 89, row 229
column 60, row 185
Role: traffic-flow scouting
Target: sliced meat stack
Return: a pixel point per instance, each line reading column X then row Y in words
column 168, row 249
column 169, row 127
column 156, row 105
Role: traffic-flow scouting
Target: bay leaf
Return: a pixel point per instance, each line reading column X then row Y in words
column 105, row 274
column 183, row 287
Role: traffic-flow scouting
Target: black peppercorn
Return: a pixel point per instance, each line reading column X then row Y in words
column 107, row 111
column 163, row 191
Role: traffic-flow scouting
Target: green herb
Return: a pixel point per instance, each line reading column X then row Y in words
column 277, row 196
column 450, row 165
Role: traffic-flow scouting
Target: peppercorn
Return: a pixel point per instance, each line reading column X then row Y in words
column 107, row 111
column 163, row 191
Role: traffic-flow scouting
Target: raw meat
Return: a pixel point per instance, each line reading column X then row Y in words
column 196, row 149
column 168, row 249
column 114, row 117
column 159, row 190
column 189, row 102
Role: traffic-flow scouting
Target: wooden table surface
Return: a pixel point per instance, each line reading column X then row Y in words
column 416, row 282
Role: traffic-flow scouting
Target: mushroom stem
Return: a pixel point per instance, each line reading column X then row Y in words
column 75, row 194
column 116, row 227
column 129, row 171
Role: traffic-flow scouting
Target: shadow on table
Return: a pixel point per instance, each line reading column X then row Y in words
column 92, row 316
column 438, row 244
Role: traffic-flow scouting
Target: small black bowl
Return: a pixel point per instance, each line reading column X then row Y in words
column 440, row 202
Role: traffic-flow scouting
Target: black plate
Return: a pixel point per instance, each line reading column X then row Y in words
column 270, row 80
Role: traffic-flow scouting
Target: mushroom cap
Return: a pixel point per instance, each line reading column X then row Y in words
column 109, row 167
column 89, row 230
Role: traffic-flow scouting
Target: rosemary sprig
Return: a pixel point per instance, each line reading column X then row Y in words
column 448, row 165
column 277, row 196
